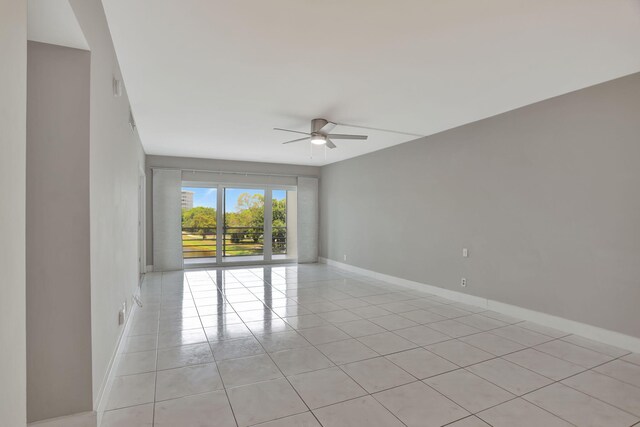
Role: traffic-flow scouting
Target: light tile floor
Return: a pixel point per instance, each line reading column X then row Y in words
column 312, row 345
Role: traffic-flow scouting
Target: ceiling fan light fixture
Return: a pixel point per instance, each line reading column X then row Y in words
column 318, row 140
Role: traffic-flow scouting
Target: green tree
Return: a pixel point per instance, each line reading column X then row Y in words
column 279, row 231
column 247, row 222
column 200, row 218
column 249, row 215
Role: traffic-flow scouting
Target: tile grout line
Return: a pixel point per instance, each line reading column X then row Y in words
column 500, row 357
column 335, row 365
column 457, row 338
column 594, row 397
column 283, row 374
column 226, row 393
column 270, row 307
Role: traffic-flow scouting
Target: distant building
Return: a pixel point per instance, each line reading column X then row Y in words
column 187, row 199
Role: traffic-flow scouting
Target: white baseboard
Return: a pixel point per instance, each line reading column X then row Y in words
column 83, row 419
column 102, row 398
column 605, row 336
column 149, row 269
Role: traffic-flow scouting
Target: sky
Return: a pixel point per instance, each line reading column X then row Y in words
column 207, row 196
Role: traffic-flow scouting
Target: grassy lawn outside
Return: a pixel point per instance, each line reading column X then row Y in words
column 199, row 246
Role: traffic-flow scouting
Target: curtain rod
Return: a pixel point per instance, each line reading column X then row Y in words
column 221, row 172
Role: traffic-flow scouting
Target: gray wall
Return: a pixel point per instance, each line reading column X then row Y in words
column 58, row 275
column 116, row 161
column 545, row 197
column 216, row 165
column 84, row 166
column 13, row 98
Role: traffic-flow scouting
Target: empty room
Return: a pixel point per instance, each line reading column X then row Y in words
column 298, row 213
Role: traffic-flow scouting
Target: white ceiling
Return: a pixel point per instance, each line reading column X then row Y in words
column 53, row 22
column 211, row 78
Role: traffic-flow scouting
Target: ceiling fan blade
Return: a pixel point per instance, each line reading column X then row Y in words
column 297, row 140
column 330, row 143
column 341, row 136
column 327, row 128
column 380, row 130
column 294, row 131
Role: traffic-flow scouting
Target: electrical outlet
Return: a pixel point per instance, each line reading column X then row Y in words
column 463, row 282
column 465, row 252
column 345, row 257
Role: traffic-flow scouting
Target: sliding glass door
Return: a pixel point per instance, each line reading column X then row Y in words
column 279, row 224
column 199, row 225
column 244, row 227
column 224, row 224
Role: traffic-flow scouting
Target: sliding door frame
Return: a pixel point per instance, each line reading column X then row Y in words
column 219, row 222
column 268, row 219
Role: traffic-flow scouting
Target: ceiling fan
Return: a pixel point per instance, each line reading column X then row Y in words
column 321, row 133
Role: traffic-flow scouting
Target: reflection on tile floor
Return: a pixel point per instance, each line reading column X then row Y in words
column 311, row 345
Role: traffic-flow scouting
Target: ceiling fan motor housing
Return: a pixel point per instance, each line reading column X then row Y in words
column 317, row 125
